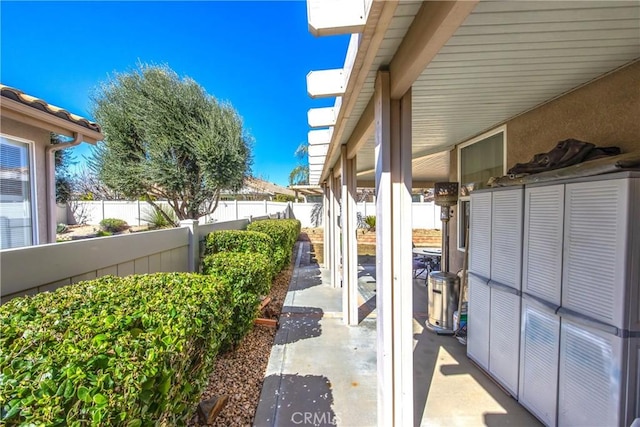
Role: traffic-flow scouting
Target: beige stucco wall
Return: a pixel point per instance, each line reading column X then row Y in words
column 605, row 112
column 40, row 138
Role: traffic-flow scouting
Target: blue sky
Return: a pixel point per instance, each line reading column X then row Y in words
column 253, row 54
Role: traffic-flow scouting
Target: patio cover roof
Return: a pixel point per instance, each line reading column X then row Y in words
column 471, row 67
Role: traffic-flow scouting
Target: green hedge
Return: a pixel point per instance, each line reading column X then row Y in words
column 284, row 233
column 132, row 351
column 251, row 275
column 238, row 241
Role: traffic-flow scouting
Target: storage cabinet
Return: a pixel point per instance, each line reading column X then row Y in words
column 577, row 327
column 539, row 352
column 495, row 272
column 478, row 321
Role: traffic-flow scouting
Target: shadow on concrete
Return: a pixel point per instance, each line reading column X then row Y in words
column 288, row 400
column 426, row 352
column 298, row 323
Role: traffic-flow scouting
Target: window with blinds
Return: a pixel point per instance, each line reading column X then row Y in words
column 16, row 208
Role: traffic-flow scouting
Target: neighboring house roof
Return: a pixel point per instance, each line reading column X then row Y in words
column 259, row 185
column 15, row 100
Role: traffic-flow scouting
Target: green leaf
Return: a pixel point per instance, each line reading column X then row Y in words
column 135, row 423
column 12, row 412
column 165, row 385
column 109, row 320
column 100, row 399
column 83, row 394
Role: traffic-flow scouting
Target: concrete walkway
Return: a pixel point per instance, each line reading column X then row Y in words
column 323, row 373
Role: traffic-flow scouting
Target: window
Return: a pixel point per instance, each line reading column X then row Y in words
column 16, row 194
column 478, row 160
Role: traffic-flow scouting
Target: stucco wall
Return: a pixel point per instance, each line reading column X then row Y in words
column 40, row 138
column 605, row 112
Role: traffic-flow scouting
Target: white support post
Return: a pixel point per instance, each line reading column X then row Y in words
column 194, row 243
column 349, row 242
column 393, row 256
column 326, row 225
column 235, row 203
column 266, row 209
column 138, row 203
column 335, row 232
column 102, row 205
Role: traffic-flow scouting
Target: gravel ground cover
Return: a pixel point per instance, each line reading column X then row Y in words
column 239, row 373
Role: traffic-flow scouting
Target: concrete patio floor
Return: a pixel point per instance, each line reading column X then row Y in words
column 323, row 373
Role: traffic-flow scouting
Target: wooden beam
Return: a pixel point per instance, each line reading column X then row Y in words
column 362, row 132
column 331, row 17
column 433, row 26
column 318, row 150
column 321, row 117
column 378, row 20
column 367, row 183
column 326, row 83
column 319, row 136
column 337, row 170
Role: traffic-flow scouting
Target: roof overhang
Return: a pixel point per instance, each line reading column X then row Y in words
column 47, row 119
column 471, row 67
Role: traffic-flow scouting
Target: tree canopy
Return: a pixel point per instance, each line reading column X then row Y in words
column 299, row 175
column 166, row 138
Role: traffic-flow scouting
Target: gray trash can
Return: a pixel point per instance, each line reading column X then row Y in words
column 443, row 291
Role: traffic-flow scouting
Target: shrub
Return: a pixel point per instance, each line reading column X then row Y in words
column 113, row 225
column 61, row 228
column 128, row 351
column 156, row 219
column 283, row 198
column 238, row 241
column 250, row 275
column 370, row 220
column 284, row 233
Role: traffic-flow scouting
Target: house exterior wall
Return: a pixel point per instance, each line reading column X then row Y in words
column 41, row 138
column 603, row 112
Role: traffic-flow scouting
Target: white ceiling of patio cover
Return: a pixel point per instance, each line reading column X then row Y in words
column 507, row 58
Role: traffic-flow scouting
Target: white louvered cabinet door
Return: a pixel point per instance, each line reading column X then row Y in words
column 543, row 236
column 506, row 237
column 478, row 314
column 480, row 234
column 539, row 349
column 504, row 338
column 590, row 378
column 596, row 241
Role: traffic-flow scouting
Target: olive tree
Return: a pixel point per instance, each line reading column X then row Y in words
column 166, row 138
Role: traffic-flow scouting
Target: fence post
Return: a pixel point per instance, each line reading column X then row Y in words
column 236, row 208
column 138, row 202
column 194, row 244
column 266, row 209
column 102, row 204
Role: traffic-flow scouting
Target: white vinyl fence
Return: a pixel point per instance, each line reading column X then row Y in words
column 33, row 269
column 425, row 215
column 137, row 212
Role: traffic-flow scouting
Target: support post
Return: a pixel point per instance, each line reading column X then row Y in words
column 194, row 243
column 349, row 241
column 335, row 232
column 393, row 255
column 326, row 226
